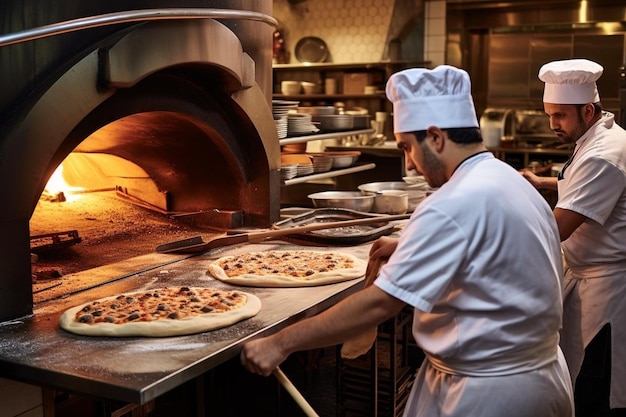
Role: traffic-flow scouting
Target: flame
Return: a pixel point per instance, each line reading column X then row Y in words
column 56, row 184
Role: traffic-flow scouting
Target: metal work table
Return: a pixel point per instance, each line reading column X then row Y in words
column 136, row 370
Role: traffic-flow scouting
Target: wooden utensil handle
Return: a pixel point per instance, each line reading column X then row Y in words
column 324, row 225
column 295, row 394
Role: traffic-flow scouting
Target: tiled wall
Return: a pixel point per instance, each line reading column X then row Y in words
column 435, row 32
column 354, row 30
column 359, row 30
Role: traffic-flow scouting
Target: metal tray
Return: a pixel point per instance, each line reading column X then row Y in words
column 351, row 235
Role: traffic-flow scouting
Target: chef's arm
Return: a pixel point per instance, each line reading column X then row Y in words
column 542, row 183
column 347, row 319
column 568, row 221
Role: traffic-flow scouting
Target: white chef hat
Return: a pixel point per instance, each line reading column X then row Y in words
column 571, row 81
column 439, row 97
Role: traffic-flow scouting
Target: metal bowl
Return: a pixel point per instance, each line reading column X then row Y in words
column 416, row 195
column 361, row 121
column 353, row 200
column 333, row 122
column 391, row 202
column 374, row 187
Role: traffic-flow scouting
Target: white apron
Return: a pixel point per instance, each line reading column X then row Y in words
column 440, row 394
column 589, row 304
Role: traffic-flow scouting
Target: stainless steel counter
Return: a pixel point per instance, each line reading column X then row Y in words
column 137, row 370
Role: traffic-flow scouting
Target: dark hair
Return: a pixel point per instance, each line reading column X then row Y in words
column 597, row 108
column 456, row 134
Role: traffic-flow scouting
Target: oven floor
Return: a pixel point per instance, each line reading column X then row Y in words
column 111, row 230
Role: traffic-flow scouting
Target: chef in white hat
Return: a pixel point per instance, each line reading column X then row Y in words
column 591, row 215
column 478, row 262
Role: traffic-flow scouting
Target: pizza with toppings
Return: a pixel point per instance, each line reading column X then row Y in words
column 288, row 268
column 160, row 312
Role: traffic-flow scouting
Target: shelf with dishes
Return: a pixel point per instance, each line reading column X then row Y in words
column 330, row 174
column 324, row 135
column 298, row 166
column 319, row 97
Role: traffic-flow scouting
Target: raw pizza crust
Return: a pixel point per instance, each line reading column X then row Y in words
column 164, row 327
column 270, row 279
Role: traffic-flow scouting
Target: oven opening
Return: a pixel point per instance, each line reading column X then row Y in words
column 151, row 165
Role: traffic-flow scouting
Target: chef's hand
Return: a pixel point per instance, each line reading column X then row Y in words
column 262, row 356
column 383, row 247
column 531, row 177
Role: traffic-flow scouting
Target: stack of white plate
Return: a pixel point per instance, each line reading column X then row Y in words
column 305, row 169
column 300, row 124
column 288, row 172
column 281, row 126
column 280, row 109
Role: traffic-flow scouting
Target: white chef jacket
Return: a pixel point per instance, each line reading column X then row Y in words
column 480, row 261
column 594, row 185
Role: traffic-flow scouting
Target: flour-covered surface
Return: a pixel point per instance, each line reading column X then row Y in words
column 140, row 369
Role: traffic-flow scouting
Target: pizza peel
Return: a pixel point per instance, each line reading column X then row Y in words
column 197, row 244
column 295, row 394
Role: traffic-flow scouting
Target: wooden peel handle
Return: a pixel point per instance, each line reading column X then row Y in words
column 295, row 394
column 324, row 225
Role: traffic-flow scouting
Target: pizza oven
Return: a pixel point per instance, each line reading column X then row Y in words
column 168, row 107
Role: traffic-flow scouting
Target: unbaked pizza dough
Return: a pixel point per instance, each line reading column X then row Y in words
column 288, row 268
column 141, row 318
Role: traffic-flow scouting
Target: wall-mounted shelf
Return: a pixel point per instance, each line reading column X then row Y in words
column 325, row 135
column 330, row 97
column 330, row 174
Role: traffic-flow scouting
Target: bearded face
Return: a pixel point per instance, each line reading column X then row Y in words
column 432, row 167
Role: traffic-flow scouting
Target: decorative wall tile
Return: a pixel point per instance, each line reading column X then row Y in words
column 354, row 30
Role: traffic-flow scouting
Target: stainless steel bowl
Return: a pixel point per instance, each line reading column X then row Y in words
column 353, row 200
column 333, row 122
column 361, row 121
column 373, row 187
column 416, row 195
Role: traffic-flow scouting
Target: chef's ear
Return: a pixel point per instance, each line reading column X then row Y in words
column 437, row 136
column 589, row 111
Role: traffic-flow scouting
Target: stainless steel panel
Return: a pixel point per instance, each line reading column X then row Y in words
column 36, row 350
column 607, row 51
column 508, row 66
column 543, row 49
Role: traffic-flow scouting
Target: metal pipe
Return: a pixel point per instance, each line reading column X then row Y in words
column 130, row 16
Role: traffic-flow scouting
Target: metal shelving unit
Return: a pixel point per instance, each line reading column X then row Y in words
column 332, row 173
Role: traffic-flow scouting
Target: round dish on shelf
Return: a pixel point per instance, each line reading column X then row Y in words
column 311, row 49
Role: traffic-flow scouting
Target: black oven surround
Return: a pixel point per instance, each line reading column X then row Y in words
column 176, row 113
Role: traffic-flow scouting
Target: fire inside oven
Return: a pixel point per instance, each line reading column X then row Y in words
column 161, row 131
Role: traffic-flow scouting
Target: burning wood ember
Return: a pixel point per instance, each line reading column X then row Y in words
column 58, row 197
